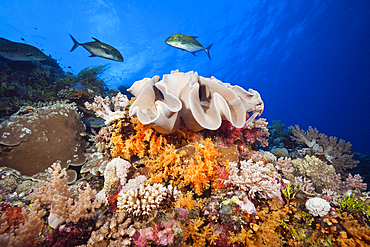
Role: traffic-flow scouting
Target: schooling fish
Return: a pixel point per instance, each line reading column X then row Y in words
column 19, row 51
column 187, row 43
column 99, row 49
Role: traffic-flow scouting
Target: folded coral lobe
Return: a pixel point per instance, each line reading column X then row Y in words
column 202, row 103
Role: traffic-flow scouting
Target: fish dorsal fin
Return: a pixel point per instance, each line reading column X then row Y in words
column 195, row 37
column 95, row 39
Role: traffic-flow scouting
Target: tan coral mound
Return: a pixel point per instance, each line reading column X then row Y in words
column 201, row 103
column 37, row 137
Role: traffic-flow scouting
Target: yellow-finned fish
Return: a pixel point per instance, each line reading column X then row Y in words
column 99, row 49
column 187, row 43
column 20, row 52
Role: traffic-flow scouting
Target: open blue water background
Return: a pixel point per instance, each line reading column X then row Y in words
column 309, row 60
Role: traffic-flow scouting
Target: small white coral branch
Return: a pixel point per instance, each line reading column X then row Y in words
column 253, row 177
column 145, row 201
column 103, row 107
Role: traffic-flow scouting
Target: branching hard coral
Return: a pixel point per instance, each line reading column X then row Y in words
column 254, row 177
column 145, row 202
column 103, row 107
column 355, row 182
column 305, row 185
column 314, row 169
column 285, row 165
column 337, row 152
column 64, row 207
column 305, row 137
column 114, row 230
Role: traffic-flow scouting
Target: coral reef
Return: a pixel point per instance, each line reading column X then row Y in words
column 201, row 103
column 142, row 187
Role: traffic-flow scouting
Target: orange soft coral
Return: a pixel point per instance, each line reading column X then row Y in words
column 197, row 167
column 145, row 141
column 201, row 170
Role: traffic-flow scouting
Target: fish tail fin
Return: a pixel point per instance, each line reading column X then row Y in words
column 207, row 51
column 75, row 43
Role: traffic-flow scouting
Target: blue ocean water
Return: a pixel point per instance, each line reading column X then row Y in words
column 309, row 60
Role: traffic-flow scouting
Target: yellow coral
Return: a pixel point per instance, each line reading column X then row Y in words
column 242, row 237
column 186, row 201
column 199, row 234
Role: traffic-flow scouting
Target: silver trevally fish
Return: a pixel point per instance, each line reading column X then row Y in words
column 99, row 49
column 187, row 43
column 19, row 51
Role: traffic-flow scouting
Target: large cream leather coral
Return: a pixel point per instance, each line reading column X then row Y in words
column 199, row 102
